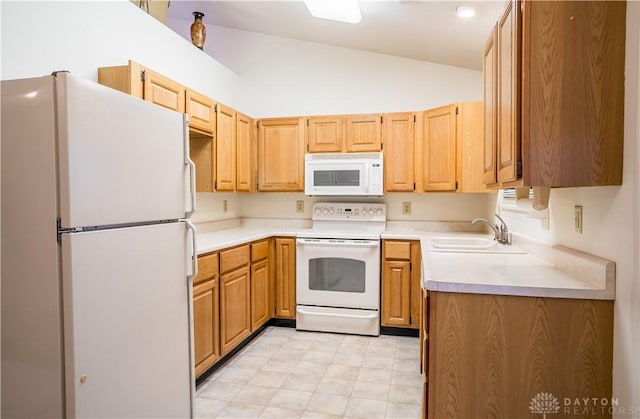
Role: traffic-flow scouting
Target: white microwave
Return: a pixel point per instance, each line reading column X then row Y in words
column 343, row 174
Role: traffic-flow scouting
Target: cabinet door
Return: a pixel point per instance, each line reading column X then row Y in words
column 163, row 91
column 325, row 134
column 281, row 154
column 259, row 294
column 396, row 293
column 206, row 325
column 285, row 278
column 363, row 133
column 489, row 71
column 399, row 152
column 439, row 149
column 201, row 111
column 508, row 89
column 244, row 154
column 235, row 315
column 225, row 149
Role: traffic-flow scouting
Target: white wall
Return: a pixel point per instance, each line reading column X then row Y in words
column 80, row 36
column 282, row 77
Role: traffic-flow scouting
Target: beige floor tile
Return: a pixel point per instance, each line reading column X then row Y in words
column 241, row 410
column 370, row 361
column 318, row 356
column 263, row 350
column 268, row 379
column 290, row 354
column 298, row 344
column 281, row 331
column 255, row 394
column 381, row 351
column 337, row 386
column 375, row 375
column 384, row 341
column 209, row 408
column 346, row 372
column 407, row 365
column 279, row 365
column 219, row 390
column 328, row 403
column 330, row 337
column 319, row 415
column 357, row 339
column 405, row 352
column 236, row 375
column 291, row 399
column 368, row 390
column 352, row 348
column 402, row 394
column 305, row 335
column 354, row 360
column 409, row 379
column 280, row 413
column 365, row 408
column 301, row 382
column 403, row 410
column 249, row 362
column 325, row 346
column 315, row 369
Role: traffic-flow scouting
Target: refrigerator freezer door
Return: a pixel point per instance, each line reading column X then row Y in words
column 122, row 160
column 127, row 310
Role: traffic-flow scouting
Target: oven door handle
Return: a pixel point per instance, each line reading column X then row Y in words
column 339, row 243
column 351, row 316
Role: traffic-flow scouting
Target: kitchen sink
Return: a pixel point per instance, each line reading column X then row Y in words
column 470, row 245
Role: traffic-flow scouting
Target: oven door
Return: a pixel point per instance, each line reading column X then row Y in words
column 338, row 273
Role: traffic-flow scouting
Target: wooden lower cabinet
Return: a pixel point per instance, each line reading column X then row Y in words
column 235, row 313
column 206, row 313
column 285, row 277
column 401, row 291
column 260, row 284
column 491, row 356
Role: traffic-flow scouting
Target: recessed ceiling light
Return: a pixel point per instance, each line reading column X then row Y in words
column 465, row 11
column 340, row 10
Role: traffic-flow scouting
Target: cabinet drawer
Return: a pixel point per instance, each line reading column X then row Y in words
column 259, row 250
column 397, row 250
column 234, row 258
column 207, row 267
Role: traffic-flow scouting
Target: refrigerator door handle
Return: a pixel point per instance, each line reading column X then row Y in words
column 192, row 168
column 194, row 251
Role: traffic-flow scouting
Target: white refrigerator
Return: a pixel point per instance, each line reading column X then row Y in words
column 97, row 256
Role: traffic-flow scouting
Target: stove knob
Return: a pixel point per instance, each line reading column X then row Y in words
column 379, row 211
column 325, row 211
column 332, row 211
column 317, row 211
column 371, row 212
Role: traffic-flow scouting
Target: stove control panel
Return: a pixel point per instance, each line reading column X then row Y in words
column 352, row 211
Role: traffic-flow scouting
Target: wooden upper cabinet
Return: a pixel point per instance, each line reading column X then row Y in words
column 489, row 61
column 325, row 134
column 399, row 152
column 508, row 89
column 559, row 94
column 163, row 91
column 225, row 148
column 439, row 149
column 363, row 133
column 470, row 147
column 573, row 56
column 281, row 154
column 245, row 153
column 201, row 111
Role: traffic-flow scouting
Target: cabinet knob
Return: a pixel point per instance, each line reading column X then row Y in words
column 83, row 378
column 572, row 18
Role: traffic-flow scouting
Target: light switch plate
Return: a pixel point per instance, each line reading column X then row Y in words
column 300, row 206
column 406, row 208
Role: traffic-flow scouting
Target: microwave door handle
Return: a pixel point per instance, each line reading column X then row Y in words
column 367, row 169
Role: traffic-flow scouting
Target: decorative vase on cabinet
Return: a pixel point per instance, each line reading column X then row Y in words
column 198, row 30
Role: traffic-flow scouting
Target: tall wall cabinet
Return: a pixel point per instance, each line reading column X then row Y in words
column 554, row 92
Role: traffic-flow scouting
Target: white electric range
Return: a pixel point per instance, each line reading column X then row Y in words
column 338, row 269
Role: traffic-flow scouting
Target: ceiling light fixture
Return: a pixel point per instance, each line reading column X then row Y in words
column 346, row 11
column 465, row 11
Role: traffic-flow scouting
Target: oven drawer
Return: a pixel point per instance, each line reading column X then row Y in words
column 338, row 320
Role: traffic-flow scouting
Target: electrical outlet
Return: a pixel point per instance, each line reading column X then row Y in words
column 577, row 218
column 406, row 208
column 300, row 206
column 225, row 206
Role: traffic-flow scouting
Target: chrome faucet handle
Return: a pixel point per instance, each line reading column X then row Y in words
column 504, row 231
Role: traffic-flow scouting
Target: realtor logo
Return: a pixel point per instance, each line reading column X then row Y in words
column 544, row 403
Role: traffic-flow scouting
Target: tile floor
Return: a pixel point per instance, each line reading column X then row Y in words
column 285, row 373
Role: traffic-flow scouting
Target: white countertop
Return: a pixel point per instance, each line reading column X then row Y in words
column 544, row 271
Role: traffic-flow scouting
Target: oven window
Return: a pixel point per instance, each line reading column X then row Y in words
column 336, row 178
column 337, row 274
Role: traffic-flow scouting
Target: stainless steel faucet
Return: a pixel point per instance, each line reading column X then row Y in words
column 501, row 231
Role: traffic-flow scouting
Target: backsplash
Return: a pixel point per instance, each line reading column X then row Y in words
column 424, row 207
